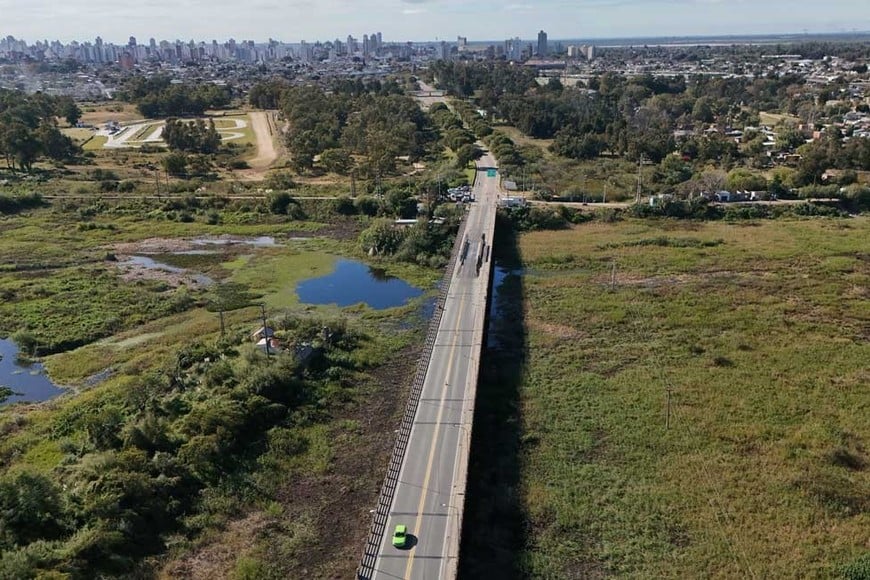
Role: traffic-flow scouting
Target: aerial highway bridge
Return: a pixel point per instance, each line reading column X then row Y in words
column 425, row 484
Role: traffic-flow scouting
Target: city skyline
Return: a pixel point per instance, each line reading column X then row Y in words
column 421, row 20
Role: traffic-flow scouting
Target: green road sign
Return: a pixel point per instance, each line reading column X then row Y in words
column 490, row 172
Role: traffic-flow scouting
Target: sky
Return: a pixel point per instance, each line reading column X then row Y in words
column 401, row 20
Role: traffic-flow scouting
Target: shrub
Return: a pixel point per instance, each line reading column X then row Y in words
column 278, row 202
column 344, row 206
column 127, row 186
column 280, row 181
column 107, row 186
column 367, row 206
column 859, row 569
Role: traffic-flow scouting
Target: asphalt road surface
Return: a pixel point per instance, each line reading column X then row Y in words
column 430, row 493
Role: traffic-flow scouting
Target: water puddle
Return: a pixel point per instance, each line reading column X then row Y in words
column 258, row 242
column 26, row 380
column 152, row 264
column 355, row 282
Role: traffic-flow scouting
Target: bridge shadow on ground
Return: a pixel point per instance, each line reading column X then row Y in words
column 493, row 534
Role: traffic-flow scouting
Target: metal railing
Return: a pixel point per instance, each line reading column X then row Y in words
column 388, row 489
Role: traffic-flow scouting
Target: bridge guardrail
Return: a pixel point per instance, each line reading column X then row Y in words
column 388, row 489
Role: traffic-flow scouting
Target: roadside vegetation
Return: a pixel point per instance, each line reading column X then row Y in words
column 686, row 398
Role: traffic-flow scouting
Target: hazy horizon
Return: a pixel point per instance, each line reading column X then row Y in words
column 422, row 20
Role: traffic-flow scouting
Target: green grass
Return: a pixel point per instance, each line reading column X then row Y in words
column 77, row 134
column 521, row 139
column 773, row 119
column 95, row 143
column 276, row 274
column 249, row 137
column 762, row 338
column 470, row 172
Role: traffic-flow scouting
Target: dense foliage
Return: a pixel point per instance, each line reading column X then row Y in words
column 158, row 96
column 684, row 130
column 374, row 122
column 156, row 458
column 195, row 137
column 28, row 128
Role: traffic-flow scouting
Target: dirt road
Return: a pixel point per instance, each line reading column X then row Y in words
column 267, row 153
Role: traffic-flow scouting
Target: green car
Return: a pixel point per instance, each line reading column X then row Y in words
column 400, row 536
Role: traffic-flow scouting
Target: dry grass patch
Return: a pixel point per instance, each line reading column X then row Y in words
column 762, row 340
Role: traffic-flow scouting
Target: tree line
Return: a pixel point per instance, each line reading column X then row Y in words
column 29, row 128
column 349, row 125
column 682, row 125
column 158, row 96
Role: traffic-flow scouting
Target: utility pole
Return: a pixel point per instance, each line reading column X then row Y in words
column 639, row 179
column 265, row 329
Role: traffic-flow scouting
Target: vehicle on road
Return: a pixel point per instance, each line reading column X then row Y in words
column 400, row 536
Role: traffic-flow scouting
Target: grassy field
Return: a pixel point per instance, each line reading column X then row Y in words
column 99, row 113
column 521, row 139
column 759, row 331
column 773, row 119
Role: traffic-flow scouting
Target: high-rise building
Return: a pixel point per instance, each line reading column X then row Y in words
column 444, row 51
column 542, row 44
column 513, row 48
column 366, row 45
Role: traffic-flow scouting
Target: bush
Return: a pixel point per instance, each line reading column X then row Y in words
column 367, row 206
column 280, row 181
column 278, row 202
column 15, row 203
column 537, row 218
column 858, row 569
column 27, row 341
column 99, row 174
column 107, row 186
column 127, row 186
column 344, row 206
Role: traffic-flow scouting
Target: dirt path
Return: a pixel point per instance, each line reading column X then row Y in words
column 267, row 153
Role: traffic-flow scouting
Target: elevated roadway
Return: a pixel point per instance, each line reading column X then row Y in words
column 429, row 493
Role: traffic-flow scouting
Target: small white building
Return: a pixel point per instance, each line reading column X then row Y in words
column 511, row 201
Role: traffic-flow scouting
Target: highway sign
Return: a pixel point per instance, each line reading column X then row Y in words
column 490, row 172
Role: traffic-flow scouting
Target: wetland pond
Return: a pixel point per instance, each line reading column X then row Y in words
column 354, row 282
column 26, row 380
